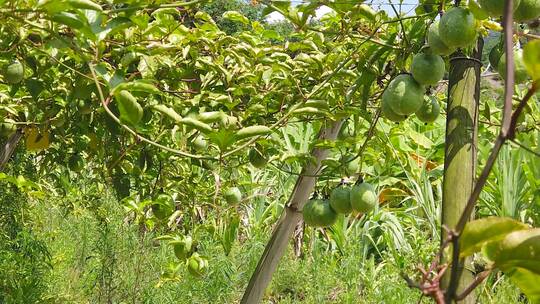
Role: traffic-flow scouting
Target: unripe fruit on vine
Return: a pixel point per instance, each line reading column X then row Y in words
column 256, row 158
column 457, row 27
column 197, row 265
column 130, row 110
column 199, row 143
column 84, row 107
column 14, row 72
column 427, row 69
column 349, row 164
column 232, row 195
column 429, row 111
column 7, row 128
column 183, row 247
column 495, row 8
column 318, row 213
column 495, row 56
column 163, row 206
column 520, row 71
column 75, row 163
column 363, row 197
column 527, row 10
column 404, row 95
column 340, row 200
column 387, row 112
column 435, row 43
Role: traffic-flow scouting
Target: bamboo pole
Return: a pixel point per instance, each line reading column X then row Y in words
column 461, row 148
column 290, row 217
column 9, row 147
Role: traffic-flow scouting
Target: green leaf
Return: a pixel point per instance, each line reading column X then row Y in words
column 517, row 249
column 527, row 281
column 170, row 112
column 138, row 86
column 531, row 56
column 196, row 124
column 252, row 131
column 477, row 233
column 420, row 139
column 235, row 16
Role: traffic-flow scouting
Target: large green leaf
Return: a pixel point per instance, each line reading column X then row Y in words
column 480, row 232
column 527, row 281
column 517, row 249
column 531, row 56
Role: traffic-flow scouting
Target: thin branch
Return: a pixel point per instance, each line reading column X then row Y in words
column 522, row 146
column 477, row 280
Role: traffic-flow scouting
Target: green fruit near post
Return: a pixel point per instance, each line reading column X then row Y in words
column 232, row 195
column 256, row 158
column 130, row 110
column 520, row 71
column 75, row 163
column 457, row 27
column 429, row 111
column 197, row 265
column 163, row 206
column 495, row 56
column 427, row 69
column 318, row 213
column 14, row 72
column 404, row 95
column 436, row 45
column 340, row 200
column 7, row 128
column 387, row 112
column 495, row 8
column 363, row 197
column 527, row 10
column 183, row 247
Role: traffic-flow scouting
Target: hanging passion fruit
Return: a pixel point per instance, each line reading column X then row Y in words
column 318, row 213
column 363, row 197
column 232, row 195
column 340, row 200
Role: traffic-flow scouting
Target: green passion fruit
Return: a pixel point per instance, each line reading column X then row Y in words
column 429, row 111
column 435, row 43
column 349, row 164
column 256, row 158
column 427, row 69
column 163, row 206
column 495, row 8
column 404, row 95
column 457, row 27
column 197, row 265
column 199, row 143
column 527, row 10
column 340, row 200
column 14, row 72
column 520, row 71
column 318, row 213
column 363, row 197
column 387, row 112
column 232, row 195
column 183, row 247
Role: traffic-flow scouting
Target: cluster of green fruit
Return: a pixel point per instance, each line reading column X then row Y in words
column 343, row 200
column 163, row 206
column 184, row 250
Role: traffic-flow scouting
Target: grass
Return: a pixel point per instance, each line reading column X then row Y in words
column 98, row 257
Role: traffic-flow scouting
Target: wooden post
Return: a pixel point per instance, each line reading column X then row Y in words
column 290, row 217
column 461, row 147
column 9, row 147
